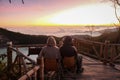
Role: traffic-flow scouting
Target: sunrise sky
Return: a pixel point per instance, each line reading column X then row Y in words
column 56, row 13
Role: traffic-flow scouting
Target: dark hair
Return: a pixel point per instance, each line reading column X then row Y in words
column 68, row 40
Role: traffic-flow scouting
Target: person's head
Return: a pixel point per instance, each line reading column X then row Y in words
column 51, row 41
column 68, row 40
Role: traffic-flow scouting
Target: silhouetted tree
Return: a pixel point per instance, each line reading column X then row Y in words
column 11, row 1
column 117, row 4
column 91, row 30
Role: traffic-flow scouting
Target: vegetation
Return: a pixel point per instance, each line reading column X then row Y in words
column 18, row 38
column 116, row 5
column 109, row 36
column 3, row 67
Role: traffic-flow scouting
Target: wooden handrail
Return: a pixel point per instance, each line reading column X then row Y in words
column 100, row 49
column 29, row 45
column 20, row 53
column 30, row 73
column 100, row 43
column 105, row 52
column 37, row 71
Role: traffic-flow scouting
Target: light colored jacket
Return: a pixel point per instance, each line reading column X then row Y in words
column 50, row 52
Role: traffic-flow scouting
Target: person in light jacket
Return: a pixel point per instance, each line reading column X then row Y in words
column 50, row 51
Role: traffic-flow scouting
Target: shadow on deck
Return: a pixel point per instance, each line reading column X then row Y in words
column 95, row 70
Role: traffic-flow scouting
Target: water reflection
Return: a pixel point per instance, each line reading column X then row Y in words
column 23, row 50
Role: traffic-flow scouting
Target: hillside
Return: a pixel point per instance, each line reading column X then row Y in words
column 19, row 38
column 112, row 35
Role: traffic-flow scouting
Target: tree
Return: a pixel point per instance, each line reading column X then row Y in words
column 11, row 1
column 117, row 3
column 91, row 30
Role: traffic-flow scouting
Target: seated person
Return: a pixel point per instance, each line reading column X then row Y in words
column 68, row 50
column 50, row 51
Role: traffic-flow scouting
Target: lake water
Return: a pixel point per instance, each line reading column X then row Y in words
column 23, row 50
column 3, row 51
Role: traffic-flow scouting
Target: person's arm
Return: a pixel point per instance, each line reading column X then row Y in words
column 61, row 52
column 41, row 53
column 75, row 51
column 58, row 56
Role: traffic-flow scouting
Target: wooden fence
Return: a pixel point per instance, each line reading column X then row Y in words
column 20, row 67
column 105, row 52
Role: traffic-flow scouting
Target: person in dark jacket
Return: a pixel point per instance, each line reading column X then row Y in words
column 69, row 50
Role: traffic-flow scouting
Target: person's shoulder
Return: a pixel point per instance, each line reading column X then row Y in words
column 61, row 47
column 44, row 47
column 56, row 47
column 74, row 47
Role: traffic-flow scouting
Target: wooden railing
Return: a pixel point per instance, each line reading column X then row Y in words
column 36, row 73
column 2, row 56
column 30, row 74
column 105, row 52
column 20, row 67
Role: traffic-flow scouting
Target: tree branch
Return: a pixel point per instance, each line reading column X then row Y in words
column 9, row 1
column 118, row 2
column 22, row 1
column 116, row 10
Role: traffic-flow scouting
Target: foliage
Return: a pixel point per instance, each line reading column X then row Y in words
column 2, row 66
column 19, row 38
column 2, row 71
column 111, row 36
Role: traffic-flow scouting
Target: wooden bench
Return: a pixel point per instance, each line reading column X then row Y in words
column 51, row 68
column 34, row 50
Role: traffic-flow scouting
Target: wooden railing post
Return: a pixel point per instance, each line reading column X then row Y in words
column 40, row 72
column 9, row 56
column 101, row 51
column 105, row 52
column 112, row 55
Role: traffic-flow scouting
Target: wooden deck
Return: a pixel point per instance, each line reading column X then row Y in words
column 95, row 70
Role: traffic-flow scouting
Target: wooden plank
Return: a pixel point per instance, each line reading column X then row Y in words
column 34, row 50
column 29, row 45
column 50, row 74
column 22, row 54
column 9, row 56
column 29, row 74
column 94, row 70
